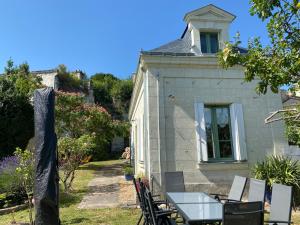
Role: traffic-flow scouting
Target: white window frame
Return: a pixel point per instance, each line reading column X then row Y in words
column 237, row 130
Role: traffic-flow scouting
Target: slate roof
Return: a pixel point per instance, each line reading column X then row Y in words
column 179, row 47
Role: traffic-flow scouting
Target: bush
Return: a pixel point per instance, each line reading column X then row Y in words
column 281, row 170
column 16, row 178
column 71, row 153
column 128, row 170
column 9, row 180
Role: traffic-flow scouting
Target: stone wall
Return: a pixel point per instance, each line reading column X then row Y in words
column 292, row 151
column 172, row 123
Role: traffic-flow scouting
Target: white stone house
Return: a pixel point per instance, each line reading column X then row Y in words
column 188, row 114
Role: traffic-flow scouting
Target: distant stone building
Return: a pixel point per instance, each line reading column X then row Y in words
column 50, row 79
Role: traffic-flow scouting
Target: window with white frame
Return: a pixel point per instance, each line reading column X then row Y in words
column 220, row 132
column 209, row 42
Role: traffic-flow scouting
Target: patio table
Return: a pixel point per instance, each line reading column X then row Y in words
column 189, row 197
column 196, row 207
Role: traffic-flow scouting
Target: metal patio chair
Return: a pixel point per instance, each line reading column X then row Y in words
column 141, row 188
column 174, row 182
column 243, row 213
column 257, row 190
column 236, row 190
column 281, row 205
column 157, row 217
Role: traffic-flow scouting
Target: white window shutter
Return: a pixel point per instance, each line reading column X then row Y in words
column 238, row 132
column 200, row 132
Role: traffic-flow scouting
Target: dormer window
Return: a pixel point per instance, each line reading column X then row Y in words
column 209, row 42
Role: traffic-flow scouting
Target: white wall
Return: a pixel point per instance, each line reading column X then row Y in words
column 137, row 134
column 172, row 140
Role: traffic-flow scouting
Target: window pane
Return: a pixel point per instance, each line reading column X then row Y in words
column 208, row 127
column 223, row 123
column 203, row 42
column 225, row 149
column 214, row 43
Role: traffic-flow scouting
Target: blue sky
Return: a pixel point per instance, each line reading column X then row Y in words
column 102, row 35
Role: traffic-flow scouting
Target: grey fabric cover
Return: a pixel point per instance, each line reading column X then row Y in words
column 174, row 182
column 243, row 213
column 257, row 190
column 237, row 188
column 46, row 170
column 281, row 203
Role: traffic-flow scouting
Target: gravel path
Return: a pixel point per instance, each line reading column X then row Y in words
column 109, row 190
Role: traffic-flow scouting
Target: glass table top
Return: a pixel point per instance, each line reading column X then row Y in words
column 190, row 197
column 201, row 212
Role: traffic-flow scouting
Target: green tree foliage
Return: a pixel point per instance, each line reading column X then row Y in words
column 75, row 118
column 112, row 93
column 16, row 112
column 278, row 63
column 292, row 129
column 69, row 82
column 71, row 153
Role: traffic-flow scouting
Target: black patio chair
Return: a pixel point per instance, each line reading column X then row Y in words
column 257, row 190
column 243, row 213
column 174, row 182
column 281, row 205
column 157, row 217
column 140, row 190
column 236, row 190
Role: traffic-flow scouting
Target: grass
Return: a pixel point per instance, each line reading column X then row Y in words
column 70, row 214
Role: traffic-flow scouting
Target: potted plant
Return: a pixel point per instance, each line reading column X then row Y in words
column 128, row 172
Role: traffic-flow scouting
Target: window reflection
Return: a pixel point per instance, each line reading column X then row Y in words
column 217, row 123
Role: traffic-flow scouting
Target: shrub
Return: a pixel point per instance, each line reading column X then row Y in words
column 71, row 152
column 9, row 181
column 279, row 169
column 128, row 170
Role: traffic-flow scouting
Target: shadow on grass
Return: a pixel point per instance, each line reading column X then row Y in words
column 68, row 199
column 77, row 220
column 91, row 166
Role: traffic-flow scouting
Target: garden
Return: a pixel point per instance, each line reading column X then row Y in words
column 84, row 133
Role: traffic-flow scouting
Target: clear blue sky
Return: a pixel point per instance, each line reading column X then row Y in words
column 101, row 35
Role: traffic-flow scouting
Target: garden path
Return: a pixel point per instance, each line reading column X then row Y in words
column 109, row 190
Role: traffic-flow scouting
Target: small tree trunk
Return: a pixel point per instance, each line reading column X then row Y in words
column 71, row 180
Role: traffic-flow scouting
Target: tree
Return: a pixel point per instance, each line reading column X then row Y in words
column 69, row 82
column 16, row 111
column 102, row 85
column 112, row 93
column 278, row 63
column 75, row 118
column 71, row 152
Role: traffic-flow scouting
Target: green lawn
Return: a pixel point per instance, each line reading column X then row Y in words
column 69, row 214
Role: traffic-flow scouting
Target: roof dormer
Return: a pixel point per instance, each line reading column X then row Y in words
column 209, row 29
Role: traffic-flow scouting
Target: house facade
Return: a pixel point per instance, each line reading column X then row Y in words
column 188, row 114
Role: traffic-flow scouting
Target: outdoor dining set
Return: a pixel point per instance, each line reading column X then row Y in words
column 181, row 207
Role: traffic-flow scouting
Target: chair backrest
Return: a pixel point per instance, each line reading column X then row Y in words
column 150, row 208
column 174, row 182
column 144, row 202
column 281, row 203
column 257, row 190
column 137, row 188
column 237, row 188
column 245, row 213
